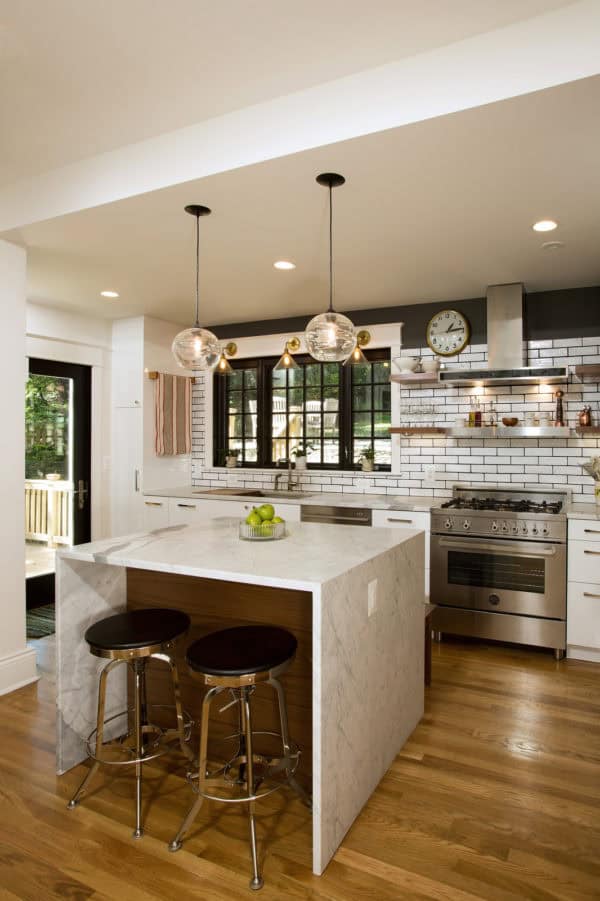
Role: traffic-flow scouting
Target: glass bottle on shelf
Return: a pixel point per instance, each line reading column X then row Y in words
column 477, row 414
column 472, row 415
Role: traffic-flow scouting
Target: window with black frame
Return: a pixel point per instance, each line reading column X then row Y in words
column 334, row 412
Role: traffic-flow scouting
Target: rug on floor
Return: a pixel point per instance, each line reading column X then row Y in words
column 40, row 621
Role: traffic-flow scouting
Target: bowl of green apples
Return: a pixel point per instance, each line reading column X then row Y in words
column 262, row 524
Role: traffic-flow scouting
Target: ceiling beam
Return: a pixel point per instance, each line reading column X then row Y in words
column 542, row 52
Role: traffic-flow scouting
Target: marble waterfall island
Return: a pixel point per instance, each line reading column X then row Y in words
column 353, row 596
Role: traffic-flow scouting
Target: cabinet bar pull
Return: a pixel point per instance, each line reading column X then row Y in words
column 393, row 519
column 153, row 504
column 589, row 594
column 188, row 506
column 595, row 553
column 594, row 531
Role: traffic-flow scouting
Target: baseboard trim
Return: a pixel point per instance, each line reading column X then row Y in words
column 591, row 655
column 18, row 670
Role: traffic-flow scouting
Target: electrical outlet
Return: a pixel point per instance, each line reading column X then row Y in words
column 372, row 597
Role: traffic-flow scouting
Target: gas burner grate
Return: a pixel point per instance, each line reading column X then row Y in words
column 504, row 505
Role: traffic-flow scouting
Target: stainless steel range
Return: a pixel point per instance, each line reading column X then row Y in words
column 499, row 565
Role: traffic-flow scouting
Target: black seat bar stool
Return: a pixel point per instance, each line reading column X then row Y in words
column 135, row 638
column 237, row 660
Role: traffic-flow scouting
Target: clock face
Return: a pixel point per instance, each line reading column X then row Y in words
column 448, row 333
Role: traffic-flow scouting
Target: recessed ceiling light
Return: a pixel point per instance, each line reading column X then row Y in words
column 545, row 225
column 284, row 264
column 552, row 245
column 109, row 293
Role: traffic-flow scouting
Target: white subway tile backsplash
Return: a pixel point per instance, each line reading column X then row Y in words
column 548, row 461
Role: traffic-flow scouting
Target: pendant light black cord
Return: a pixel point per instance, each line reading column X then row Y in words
column 331, row 310
column 197, row 324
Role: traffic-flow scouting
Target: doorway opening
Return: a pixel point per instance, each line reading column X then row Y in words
column 57, row 478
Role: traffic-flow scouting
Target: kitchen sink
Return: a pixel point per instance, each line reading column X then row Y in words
column 251, row 492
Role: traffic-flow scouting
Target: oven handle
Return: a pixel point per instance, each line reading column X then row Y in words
column 516, row 550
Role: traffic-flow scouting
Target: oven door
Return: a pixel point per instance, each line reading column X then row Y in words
column 528, row 578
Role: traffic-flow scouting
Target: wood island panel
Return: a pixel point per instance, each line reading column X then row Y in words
column 213, row 604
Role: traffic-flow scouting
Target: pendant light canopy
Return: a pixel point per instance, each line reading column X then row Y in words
column 330, row 336
column 197, row 348
column 286, row 360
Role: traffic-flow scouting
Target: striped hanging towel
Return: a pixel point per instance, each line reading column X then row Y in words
column 173, row 415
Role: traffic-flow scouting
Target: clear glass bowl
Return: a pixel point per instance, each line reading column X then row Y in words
column 264, row 532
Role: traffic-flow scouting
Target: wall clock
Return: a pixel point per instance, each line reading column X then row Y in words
column 448, row 332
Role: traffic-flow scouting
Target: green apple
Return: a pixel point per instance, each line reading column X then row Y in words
column 266, row 528
column 266, row 512
column 277, row 519
column 253, row 519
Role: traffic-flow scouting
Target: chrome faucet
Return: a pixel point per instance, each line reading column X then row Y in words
column 291, row 481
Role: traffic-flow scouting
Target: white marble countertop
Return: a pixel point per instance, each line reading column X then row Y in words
column 583, row 511
column 310, row 555
column 412, row 503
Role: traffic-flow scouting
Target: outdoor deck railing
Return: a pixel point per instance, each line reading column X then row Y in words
column 48, row 507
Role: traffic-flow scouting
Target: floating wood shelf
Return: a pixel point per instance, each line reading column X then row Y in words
column 588, row 371
column 588, row 429
column 418, row 430
column 415, row 378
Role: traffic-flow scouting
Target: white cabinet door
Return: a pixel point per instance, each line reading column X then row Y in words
column 401, row 519
column 584, row 530
column 583, row 615
column 156, row 513
column 584, row 561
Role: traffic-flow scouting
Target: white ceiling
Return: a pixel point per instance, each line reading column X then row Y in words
column 432, row 211
column 80, row 78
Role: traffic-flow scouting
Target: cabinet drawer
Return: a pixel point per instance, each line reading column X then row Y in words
column 584, row 530
column 156, row 512
column 584, row 561
column 583, row 615
column 401, row 519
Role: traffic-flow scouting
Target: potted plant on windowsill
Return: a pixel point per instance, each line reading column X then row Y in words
column 367, row 460
column 299, row 454
column 231, row 458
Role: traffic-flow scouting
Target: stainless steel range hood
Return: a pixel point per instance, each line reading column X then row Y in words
column 507, row 362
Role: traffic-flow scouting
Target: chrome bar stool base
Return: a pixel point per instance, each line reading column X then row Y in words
column 134, row 639
column 247, row 776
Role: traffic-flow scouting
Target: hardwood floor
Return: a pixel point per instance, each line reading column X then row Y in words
column 496, row 796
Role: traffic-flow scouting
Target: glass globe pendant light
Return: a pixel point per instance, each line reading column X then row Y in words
column 330, row 336
column 197, row 348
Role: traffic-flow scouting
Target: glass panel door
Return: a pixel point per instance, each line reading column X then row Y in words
column 57, row 469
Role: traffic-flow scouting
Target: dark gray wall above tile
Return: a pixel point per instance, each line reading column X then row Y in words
column 570, row 313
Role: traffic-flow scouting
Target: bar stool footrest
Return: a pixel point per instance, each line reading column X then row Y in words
column 158, row 741
column 267, row 768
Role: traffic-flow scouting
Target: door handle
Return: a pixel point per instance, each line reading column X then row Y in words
column 506, row 549
column 82, row 493
column 589, row 594
column 188, row 506
column 593, row 531
column 595, row 553
column 408, row 522
column 153, row 504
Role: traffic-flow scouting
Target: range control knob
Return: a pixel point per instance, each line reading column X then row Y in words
column 524, row 528
column 467, row 524
column 545, row 529
column 494, row 526
column 514, row 528
column 534, row 530
column 448, row 524
column 505, row 527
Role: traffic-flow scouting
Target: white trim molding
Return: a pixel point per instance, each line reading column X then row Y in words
column 17, row 670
